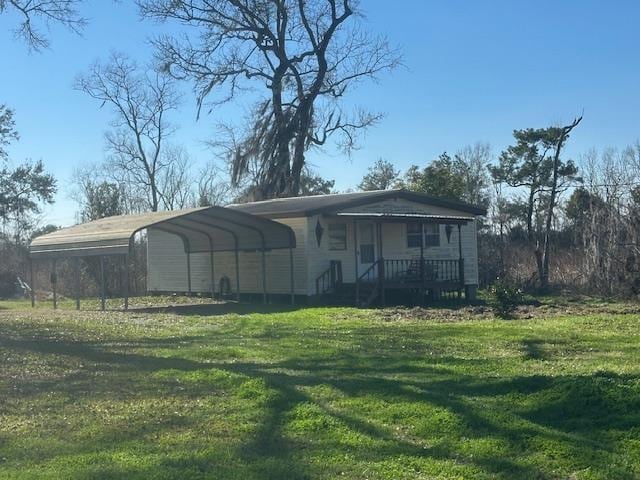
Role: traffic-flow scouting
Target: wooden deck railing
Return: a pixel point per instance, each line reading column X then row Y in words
column 415, row 271
column 395, row 273
column 327, row 280
column 411, row 274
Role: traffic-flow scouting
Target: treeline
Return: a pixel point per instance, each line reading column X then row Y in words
column 552, row 223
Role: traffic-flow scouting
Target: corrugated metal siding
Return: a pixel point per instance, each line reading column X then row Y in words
column 167, row 265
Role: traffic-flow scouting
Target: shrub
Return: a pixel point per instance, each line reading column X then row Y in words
column 504, row 298
column 8, row 285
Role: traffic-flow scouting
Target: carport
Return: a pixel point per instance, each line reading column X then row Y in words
column 202, row 230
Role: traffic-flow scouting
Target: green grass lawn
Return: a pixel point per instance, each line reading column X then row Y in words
column 210, row 392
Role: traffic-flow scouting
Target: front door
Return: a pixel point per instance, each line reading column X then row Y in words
column 366, row 247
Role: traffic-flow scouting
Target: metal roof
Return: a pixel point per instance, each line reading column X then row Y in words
column 201, row 230
column 306, row 206
column 408, row 216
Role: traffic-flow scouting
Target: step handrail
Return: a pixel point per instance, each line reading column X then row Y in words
column 327, row 280
column 367, row 272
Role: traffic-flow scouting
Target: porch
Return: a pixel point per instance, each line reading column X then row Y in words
column 376, row 275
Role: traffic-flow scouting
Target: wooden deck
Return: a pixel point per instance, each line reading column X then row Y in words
column 423, row 276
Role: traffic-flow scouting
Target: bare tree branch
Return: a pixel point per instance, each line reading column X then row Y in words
column 45, row 12
column 305, row 54
column 140, row 101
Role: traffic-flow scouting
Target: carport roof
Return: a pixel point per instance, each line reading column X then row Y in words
column 201, row 230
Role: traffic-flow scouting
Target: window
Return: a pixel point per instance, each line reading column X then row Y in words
column 413, row 235
column 337, row 236
column 430, row 233
column 367, row 243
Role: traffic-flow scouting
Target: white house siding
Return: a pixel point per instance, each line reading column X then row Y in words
column 394, row 246
column 320, row 256
column 167, row 271
column 167, row 265
column 394, row 240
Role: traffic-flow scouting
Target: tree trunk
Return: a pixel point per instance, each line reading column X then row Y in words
column 543, row 262
column 530, row 203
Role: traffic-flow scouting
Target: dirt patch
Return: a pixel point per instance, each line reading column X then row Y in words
column 435, row 314
column 528, row 311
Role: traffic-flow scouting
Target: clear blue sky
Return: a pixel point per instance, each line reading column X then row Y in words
column 475, row 70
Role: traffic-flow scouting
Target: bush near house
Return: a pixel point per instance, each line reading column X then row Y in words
column 504, row 298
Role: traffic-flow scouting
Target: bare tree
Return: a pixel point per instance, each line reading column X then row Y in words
column 212, row 189
column 306, row 53
column 472, row 164
column 175, row 180
column 44, row 12
column 605, row 216
column 140, row 101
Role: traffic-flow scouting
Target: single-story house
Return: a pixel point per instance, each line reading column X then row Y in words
column 359, row 244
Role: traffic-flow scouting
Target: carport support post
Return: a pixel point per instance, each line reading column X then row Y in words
column 213, row 273
column 189, row 272
column 33, row 286
column 102, row 286
column 422, row 289
column 264, row 276
column 125, row 260
column 355, row 251
column 54, row 282
column 77, row 272
column 291, row 277
column 237, row 257
column 460, row 261
column 381, row 269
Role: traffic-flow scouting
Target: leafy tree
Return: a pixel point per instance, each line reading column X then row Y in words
column 103, row 199
column 534, row 163
column 382, row 175
column 464, row 177
column 8, row 131
column 23, row 188
column 440, row 178
column 523, row 165
column 580, row 205
column 313, row 184
column 48, row 228
column 305, row 56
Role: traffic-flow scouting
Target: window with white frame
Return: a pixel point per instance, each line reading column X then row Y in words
column 337, row 236
column 430, row 235
column 414, row 238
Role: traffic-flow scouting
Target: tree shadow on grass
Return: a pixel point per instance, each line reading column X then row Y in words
column 534, row 349
column 220, row 308
column 572, row 413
